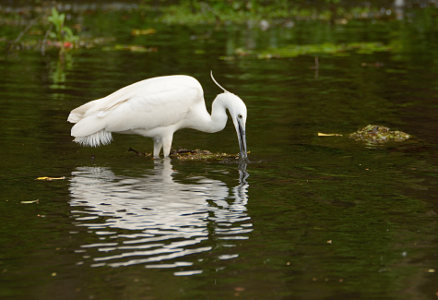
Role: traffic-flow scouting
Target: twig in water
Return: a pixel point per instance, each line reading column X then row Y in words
column 138, row 152
column 43, row 44
column 21, row 34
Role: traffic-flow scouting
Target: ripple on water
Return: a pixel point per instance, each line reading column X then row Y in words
column 154, row 220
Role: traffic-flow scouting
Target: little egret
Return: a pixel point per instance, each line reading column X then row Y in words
column 156, row 108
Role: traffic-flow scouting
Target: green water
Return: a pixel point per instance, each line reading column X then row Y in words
column 317, row 218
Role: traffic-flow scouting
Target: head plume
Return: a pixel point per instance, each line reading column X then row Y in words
column 214, row 80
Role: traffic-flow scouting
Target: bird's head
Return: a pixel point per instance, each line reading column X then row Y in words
column 237, row 110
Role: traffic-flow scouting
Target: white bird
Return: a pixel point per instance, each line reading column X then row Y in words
column 156, row 108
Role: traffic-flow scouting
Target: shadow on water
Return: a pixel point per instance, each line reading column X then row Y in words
column 156, row 220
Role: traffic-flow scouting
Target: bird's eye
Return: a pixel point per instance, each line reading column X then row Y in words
column 240, row 116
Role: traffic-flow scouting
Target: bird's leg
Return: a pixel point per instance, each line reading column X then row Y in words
column 167, row 144
column 158, row 144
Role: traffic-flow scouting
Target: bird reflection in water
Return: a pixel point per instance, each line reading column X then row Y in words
column 156, row 220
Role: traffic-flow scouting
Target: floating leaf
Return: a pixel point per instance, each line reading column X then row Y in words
column 143, row 31
column 50, row 178
column 30, row 202
column 329, row 134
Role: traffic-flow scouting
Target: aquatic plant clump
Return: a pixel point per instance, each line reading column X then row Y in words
column 59, row 32
column 196, row 154
column 377, row 134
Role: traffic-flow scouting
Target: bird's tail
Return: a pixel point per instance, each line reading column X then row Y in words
column 90, row 131
column 94, row 140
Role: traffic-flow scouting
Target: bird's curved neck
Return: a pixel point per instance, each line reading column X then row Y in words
column 218, row 118
column 215, row 122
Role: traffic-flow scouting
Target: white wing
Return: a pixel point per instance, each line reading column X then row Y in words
column 147, row 104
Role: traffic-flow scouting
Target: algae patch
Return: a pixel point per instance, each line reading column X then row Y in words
column 196, row 154
column 374, row 135
column 377, row 134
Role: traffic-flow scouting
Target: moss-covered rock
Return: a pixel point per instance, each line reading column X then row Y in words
column 377, row 134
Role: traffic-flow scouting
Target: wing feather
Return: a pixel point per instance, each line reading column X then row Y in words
column 152, row 111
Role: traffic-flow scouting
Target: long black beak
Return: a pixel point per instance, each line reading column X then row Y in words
column 242, row 139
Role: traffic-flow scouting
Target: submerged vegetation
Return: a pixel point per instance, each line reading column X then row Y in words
column 195, row 154
column 283, row 11
column 53, row 25
column 295, row 50
column 373, row 135
column 378, row 134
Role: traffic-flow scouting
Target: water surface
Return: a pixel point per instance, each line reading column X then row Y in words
column 316, row 218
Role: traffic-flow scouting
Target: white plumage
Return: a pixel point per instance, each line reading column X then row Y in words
column 156, row 107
